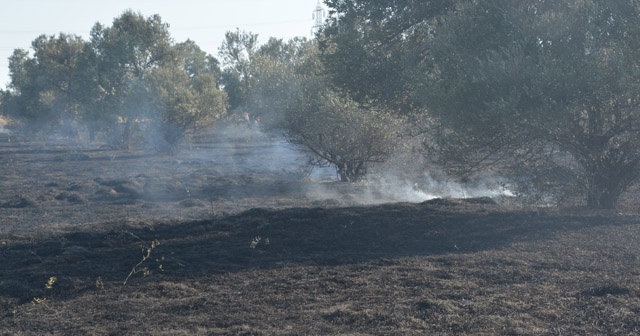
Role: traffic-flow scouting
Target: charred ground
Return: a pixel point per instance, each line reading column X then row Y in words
column 222, row 245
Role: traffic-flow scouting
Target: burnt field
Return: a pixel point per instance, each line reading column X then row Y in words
column 233, row 237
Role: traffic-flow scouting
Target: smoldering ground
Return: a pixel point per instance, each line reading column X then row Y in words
column 227, row 170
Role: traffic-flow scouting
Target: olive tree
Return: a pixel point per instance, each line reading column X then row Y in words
column 370, row 47
column 187, row 97
column 541, row 84
column 131, row 72
column 546, row 90
column 339, row 131
column 44, row 87
column 237, row 52
column 277, row 71
column 342, row 133
column 125, row 53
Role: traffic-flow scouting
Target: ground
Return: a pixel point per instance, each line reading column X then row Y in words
column 221, row 240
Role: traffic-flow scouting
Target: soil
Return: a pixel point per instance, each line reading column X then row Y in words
column 220, row 240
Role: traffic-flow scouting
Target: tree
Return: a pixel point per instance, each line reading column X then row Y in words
column 43, row 87
column 58, row 70
column 15, row 97
column 134, row 44
column 187, row 93
column 143, row 74
column 18, row 70
column 365, row 47
column 130, row 71
column 237, row 53
column 339, row 131
column 553, row 82
column 125, row 54
column 546, row 88
column 277, row 71
column 287, row 87
column 343, row 134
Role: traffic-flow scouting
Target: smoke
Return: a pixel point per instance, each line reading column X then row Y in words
column 406, row 177
column 392, row 188
column 427, row 187
column 239, row 149
column 234, row 166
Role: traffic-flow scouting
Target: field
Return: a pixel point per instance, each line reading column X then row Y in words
column 232, row 237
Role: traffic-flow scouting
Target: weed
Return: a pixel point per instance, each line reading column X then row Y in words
column 146, row 254
column 99, row 283
column 254, row 242
column 39, row 300
column 50, row 282
column 42, row 300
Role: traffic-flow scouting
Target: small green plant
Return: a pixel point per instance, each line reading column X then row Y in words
column 50, row 282
column 42, row 300
column 146, row 254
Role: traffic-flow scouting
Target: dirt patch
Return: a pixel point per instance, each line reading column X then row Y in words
column 134, row 243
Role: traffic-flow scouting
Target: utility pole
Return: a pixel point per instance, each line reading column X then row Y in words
column 319, row 15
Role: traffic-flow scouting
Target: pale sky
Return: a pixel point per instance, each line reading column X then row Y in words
column 205, row 22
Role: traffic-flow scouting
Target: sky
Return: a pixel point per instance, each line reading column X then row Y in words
column 203, row 21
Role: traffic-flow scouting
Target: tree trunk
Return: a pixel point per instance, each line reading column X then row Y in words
column 351, row 171
column 604, row 191
column 602, row 199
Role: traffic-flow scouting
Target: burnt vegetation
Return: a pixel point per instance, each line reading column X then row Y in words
column 417, row 167
column 186, row 244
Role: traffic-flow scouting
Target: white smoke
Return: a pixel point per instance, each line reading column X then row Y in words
column 390, row 188
column 237, row 155
column 407, row 177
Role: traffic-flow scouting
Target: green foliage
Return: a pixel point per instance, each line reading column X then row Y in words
column 125, row 54
column 277, row 72
column 370, row 48
column 130, row 71
column 188, row 98
column 237, row 53
column 551, row 83
column 133, row 45
column 43, row 88
column 546, row 90
column 338, row 130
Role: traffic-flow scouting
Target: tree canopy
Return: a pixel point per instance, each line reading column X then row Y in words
column 539, row 86
column 131, row 70
column 543, row 81
column 370, row 47
column 237, row 53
